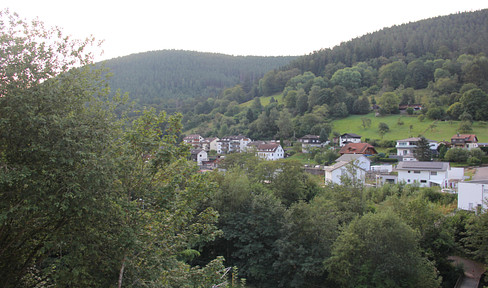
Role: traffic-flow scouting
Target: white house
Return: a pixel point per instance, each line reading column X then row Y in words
column 349, row 138
column 428, row 174
column 233, row 144
column 335, row 173
column 405, row 147
column 310, row 141
column 358, row 159
column 194, row 140
column 270, row 151
column 198, row 155
column 472, row 195
column 211, row 143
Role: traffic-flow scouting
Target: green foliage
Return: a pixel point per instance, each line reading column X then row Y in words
column 475, row 102
column 389, row 102
column 381, row 240
column 57, row 170
column 476, row 237
column 83, row 202
column 422, row 152
column 383, row 128
column 457, row 155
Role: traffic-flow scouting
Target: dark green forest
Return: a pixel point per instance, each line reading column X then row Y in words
column 95, row 194
column 440, row 63
column 177, row 80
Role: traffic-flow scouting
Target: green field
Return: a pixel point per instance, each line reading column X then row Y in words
column 264, row 100
column 441, row 130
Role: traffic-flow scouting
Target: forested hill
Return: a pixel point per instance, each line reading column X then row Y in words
column 440, row 63
column 443, row 36
column 175, row 80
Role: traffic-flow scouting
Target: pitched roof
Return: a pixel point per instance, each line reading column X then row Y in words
column 416, row 139
column 351, row 157
column 192, row 136
column 335, row 166
column 351, row 135
column 309, row 136
column 423, row 165
column 466, row 137
column 196, row 151
column 356, row 148
column 268, row 147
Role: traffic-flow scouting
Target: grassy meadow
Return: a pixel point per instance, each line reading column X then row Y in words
column 412, row 127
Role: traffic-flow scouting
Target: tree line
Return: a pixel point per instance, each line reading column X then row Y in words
column 281, row 228
column 94, row 194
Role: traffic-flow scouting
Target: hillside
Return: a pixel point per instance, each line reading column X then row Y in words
column 174, row 80
column 443, row 36
column 438, row 63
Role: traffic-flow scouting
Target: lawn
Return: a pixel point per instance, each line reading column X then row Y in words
column 264, row 100
column 412, row 127
column 302, row 158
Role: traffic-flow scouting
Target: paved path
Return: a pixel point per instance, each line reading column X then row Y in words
column 472, row 271
column 481, row 173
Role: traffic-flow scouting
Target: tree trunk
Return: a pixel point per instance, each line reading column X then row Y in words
column 121, row 272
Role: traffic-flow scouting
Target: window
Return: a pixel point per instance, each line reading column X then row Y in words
column 416, row 172
column 408, row 171
column 423, row 181
column 433, row 173
column 408, row 180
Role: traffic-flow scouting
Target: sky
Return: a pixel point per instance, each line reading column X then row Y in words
column 234, row 27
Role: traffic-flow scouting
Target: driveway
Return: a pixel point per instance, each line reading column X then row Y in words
column 481, row 173
column 472, row 271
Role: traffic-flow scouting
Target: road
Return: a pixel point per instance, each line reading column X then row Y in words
column 481, row 173
column 472, row 272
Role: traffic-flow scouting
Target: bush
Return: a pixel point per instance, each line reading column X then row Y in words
column 484, row 160
column 457, row 155
column 473, row 161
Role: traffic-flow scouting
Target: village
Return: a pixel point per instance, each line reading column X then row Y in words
column 355, row 162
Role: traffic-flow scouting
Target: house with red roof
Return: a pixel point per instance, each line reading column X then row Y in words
column 468, row 141
column 358, row 148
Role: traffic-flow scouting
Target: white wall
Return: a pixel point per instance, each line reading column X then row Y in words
column 334, row 176
column 422, row 178
column 470, row 195
column 456, row 173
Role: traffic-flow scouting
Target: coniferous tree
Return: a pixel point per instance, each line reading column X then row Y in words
column 422, row 152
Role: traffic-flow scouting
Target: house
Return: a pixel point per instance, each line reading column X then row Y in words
column 358, row 148
column 473, row 195
column 468, row 141
column 336, row 173
column 415, row 107
column 232, row 144
column 349, row 138
column 310, row 141
column 211, row 143
column 270, row 151
column 358, row 159
column 194, row 140
column 406, row 147
column 198, row 155
column 429, row 174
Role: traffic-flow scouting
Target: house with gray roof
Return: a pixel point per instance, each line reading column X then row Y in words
column 429, row 174
column 337, row 172
column 358, row 159
column 347, row 138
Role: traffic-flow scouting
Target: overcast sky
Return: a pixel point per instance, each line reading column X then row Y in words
column 235, row 27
